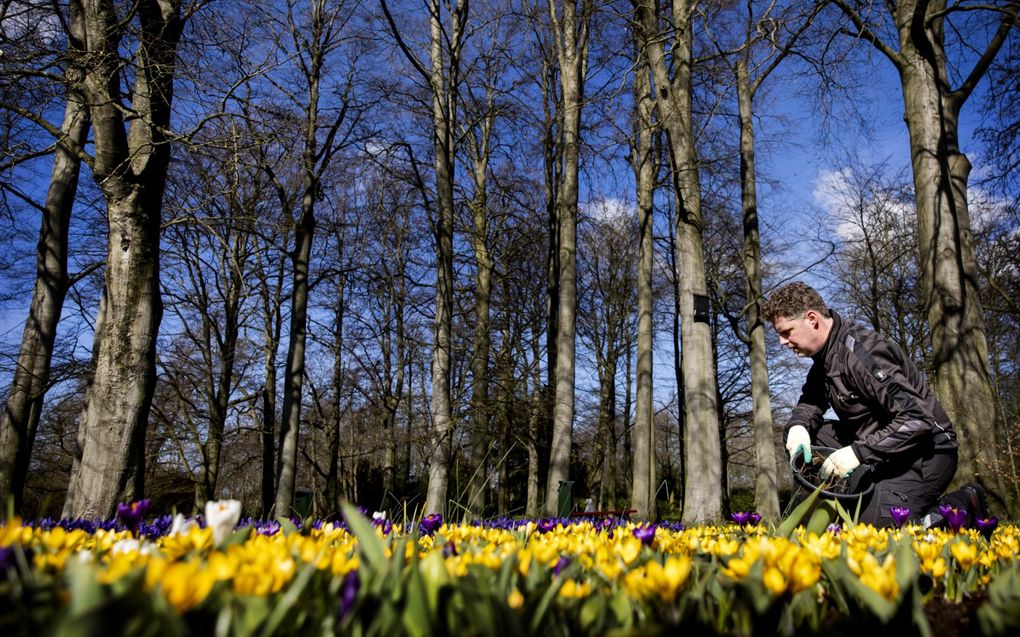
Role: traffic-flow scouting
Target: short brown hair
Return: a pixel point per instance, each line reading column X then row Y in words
column 792, row 301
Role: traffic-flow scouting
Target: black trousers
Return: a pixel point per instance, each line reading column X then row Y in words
column 915, row 481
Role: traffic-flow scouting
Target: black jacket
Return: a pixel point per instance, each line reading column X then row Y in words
column 885, row 407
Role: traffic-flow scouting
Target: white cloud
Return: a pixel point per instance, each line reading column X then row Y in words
column 608, row 209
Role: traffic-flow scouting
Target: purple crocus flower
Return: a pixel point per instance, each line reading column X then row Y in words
column 544, row 526
column 449, row 549
column 561, row 564
column 986, row 526
column 349, row 593
column 956, row 518
column 740, row 517
column 899, row 515
column 755, row 517
column 834, row 528
column 131, row 514
column 646, row 534
column 431, row 523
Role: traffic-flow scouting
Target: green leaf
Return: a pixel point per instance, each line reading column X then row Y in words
column 538, row 616
column 788, row 525
column 369, row 546
column 592, row 612
column 237, row 538
column 286, row 526
column 420, row 606
column 824, row 513
column 856, row 593
column 432, row 572
column 288, row 601
column 622, row 609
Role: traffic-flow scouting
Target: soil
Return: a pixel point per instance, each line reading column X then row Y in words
column 952, row 619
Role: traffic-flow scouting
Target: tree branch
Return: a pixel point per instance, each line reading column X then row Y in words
column 864, row 32
column 957, row 98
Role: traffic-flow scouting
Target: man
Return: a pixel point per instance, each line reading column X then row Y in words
column 892, row 432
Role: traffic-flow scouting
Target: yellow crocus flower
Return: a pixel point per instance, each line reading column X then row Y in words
column 572, row 589
column 185, row 584
column 965, row 553
column 774, row 580
column 515, row 599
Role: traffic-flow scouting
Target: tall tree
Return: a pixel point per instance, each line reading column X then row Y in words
column 911, row 34
column 671, row 70
column 207, row 263
column 768, row 39
column 608, row 264
column 19, row 421
column 571, row 23
column 132, row 154
column 330, row 117
column 479, row 141
column 645, row 166
column 442, row 76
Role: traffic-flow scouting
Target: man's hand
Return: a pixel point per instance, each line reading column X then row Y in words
column 842, row 463
column 799, row 440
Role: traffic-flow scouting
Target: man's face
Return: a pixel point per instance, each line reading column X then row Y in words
column 803, row 334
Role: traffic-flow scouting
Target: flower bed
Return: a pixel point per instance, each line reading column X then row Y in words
column 576, row 576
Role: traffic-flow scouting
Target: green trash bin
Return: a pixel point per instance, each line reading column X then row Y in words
column 566, row 498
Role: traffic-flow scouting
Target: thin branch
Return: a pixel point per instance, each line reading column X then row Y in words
column 864, row 32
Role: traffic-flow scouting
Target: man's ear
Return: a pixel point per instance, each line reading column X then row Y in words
column 812, row 318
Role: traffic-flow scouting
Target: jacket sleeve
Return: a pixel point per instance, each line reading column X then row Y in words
column 905, row 420
column 812, row 405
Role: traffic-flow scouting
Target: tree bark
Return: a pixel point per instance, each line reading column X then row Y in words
column 20, row 418
column 272, row 319
column 220, row 382
column 130, row 167
column 571, row 37
column 481, row 437
column 443, row 81
column 644, row 164
column 703, row 454
column 949, row 276
column 766, row 482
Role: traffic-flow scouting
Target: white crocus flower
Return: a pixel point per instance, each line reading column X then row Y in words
column 379, row 516
column 221, row 516
column 131, row 545
column 182, row 525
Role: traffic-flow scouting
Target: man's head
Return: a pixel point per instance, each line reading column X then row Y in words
column 800, row 318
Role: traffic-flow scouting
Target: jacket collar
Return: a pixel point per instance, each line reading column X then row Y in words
column 835, row 335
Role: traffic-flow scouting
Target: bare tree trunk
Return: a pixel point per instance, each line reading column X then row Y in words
column 295, row 371
column 20, row 418
column 312, row 43
column 766, row 482
column 571, row 37
column 272, row 319
column 444, row 82
column 130, row 167
column 644, row 163
column 335, row 432
column 607, row 419
column 949, row 276
column 552, row 155
column 481, row 438
column 218, row 392
column 703, row 458
column 533, row 506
